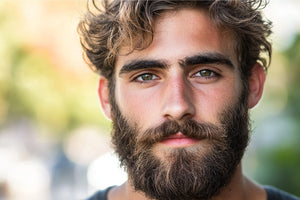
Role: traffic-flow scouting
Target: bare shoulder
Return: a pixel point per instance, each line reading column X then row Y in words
column 115, row 193
column 254, row 190
column 124, row 192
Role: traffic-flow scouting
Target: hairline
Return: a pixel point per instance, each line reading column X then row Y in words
column 126, row 49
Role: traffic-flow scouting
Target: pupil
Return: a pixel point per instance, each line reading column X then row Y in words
column 147, row 77
column 205, row 73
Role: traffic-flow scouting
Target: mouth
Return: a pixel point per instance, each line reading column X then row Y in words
column 179, row 140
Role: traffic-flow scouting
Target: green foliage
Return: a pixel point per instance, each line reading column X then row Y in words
column 293, row 68
column 280, row 167
column 278, row 162
column 33, row 88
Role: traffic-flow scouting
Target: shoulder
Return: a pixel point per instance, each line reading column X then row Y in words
column 276, row 194
column 100, row 195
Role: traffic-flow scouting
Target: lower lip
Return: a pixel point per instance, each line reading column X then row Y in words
column 179, row 142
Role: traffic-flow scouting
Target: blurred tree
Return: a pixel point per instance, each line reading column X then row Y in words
column 293, row 68
column 37, row 89
column 281, row 161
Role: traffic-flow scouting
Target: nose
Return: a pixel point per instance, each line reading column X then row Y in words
column 177, row 99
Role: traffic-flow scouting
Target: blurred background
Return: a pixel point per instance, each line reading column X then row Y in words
column 54, row 140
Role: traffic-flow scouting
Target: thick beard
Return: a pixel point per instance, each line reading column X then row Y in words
column 183, row 173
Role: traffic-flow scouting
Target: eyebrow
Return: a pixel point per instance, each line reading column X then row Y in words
column 207, row 58
column 142, row 64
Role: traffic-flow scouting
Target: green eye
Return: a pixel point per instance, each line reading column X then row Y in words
column 206, row 76
column 205, row 73
column 146, row 77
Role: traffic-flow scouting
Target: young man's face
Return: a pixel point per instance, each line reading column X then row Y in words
column 189, row 71
column 180, row 113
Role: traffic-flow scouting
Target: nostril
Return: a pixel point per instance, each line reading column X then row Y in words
column 187, row 116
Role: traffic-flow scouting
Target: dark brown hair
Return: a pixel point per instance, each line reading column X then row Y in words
column 105, row 29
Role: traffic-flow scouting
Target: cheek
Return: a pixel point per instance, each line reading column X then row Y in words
column 213, row 100
column 139, row 108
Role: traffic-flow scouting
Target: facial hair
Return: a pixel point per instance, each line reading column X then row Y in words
column 190, row 173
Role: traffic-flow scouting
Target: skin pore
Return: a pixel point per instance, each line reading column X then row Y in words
column 189, row 71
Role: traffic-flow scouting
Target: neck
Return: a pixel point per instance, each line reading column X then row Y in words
column 239, row 188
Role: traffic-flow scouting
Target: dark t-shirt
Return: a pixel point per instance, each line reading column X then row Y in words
column 275, row 194
column 272, row 194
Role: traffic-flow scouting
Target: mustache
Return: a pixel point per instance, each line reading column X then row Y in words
column 189, row 128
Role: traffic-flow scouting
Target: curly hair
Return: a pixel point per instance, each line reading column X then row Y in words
column 105, row 29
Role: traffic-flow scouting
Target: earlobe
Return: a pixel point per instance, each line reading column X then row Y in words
column 256, row 85
column 103, row 94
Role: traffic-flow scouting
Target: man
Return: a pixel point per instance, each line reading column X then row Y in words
column 177, row 81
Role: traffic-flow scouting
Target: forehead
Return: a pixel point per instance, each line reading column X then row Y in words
column 182, row 33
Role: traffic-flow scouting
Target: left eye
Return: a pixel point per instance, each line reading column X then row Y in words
column 205, row 73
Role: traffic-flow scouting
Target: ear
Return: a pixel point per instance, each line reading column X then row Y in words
column 103, row 94
column 256, row 85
